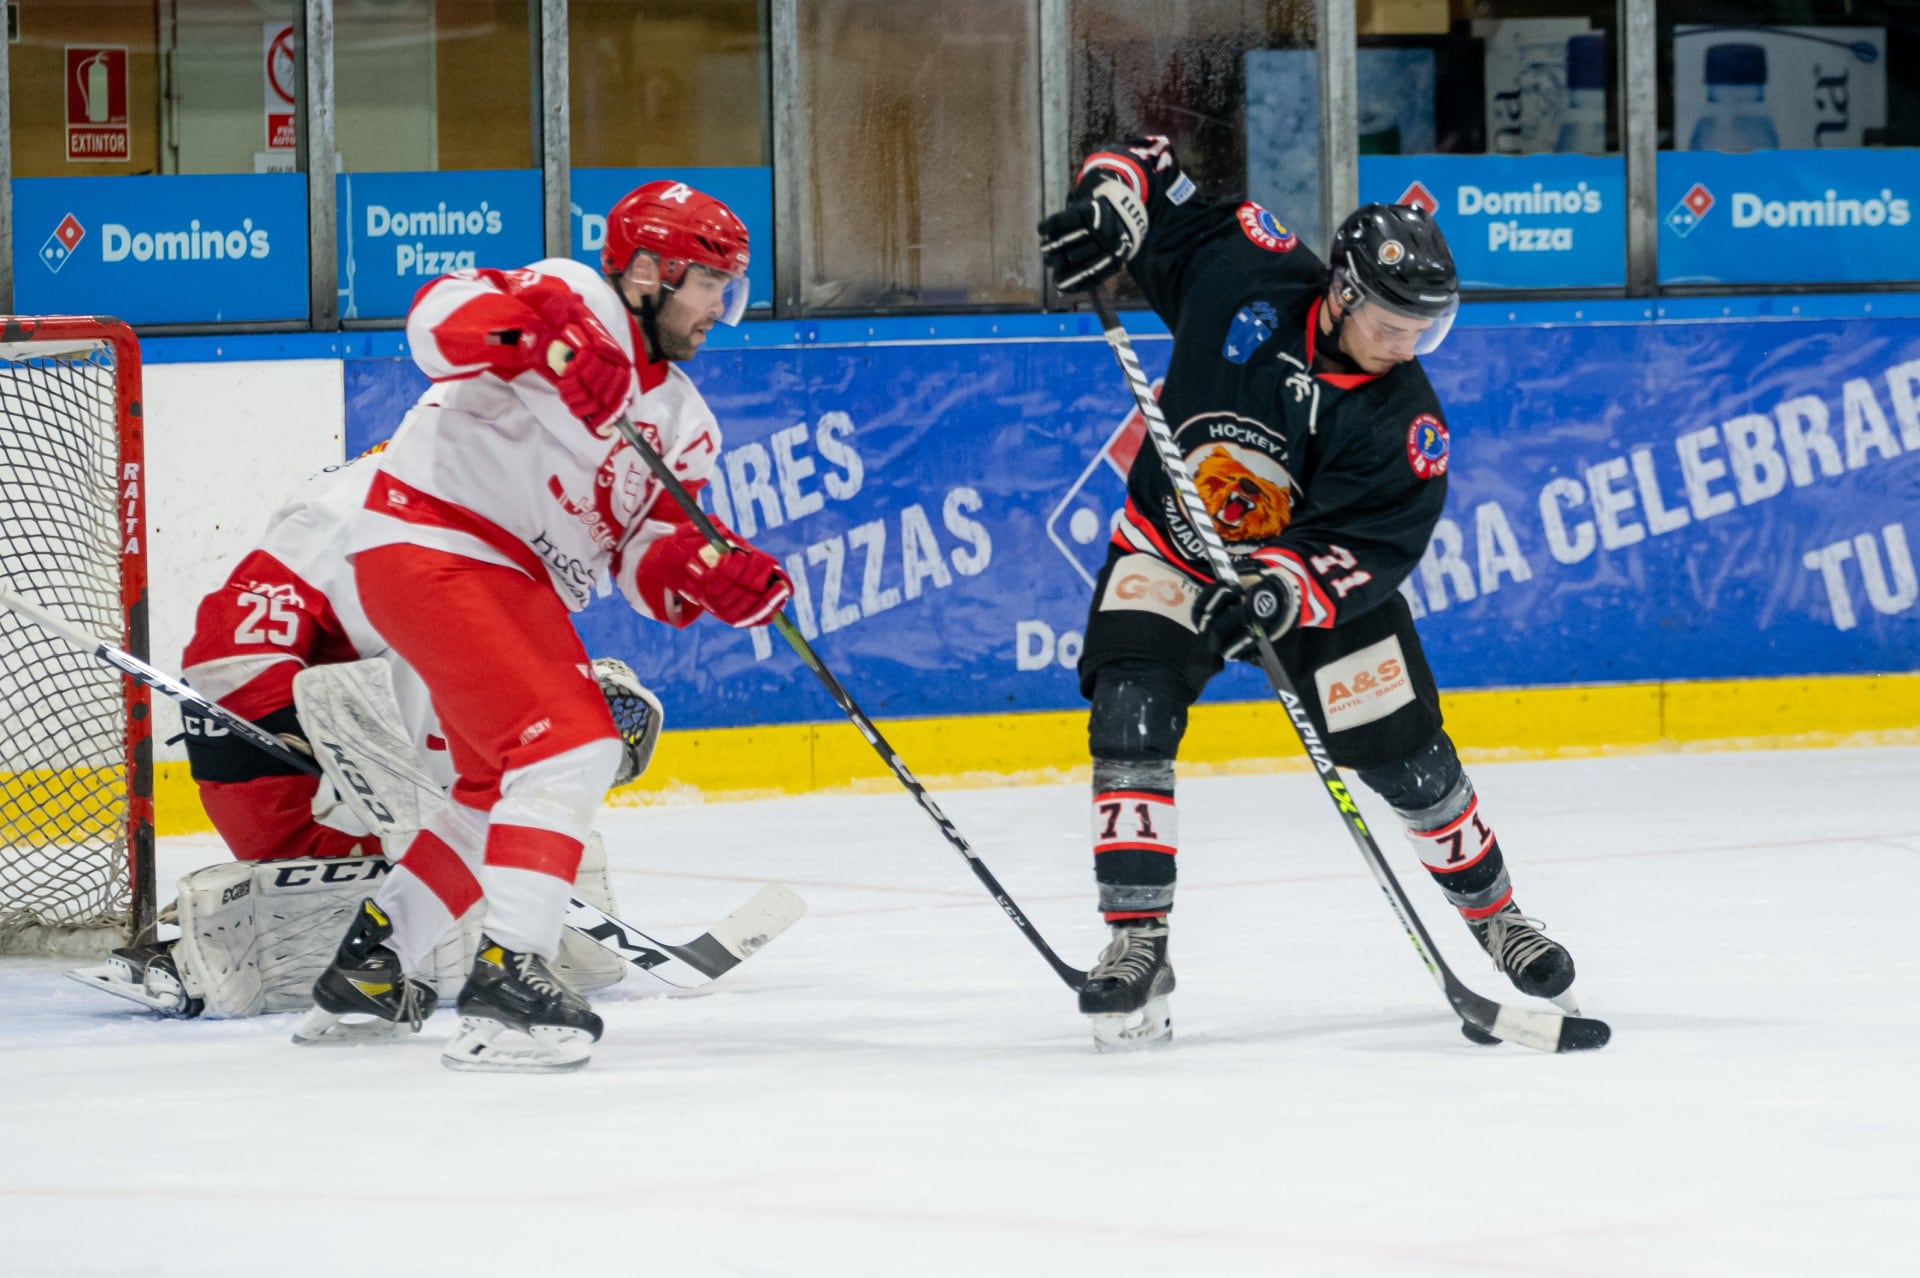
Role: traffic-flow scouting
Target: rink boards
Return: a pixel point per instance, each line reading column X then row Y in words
column 1660, row 532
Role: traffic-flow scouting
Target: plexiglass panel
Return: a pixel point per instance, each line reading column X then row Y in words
column 920, row 161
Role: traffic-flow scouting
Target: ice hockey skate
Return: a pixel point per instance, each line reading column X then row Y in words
column 143, row 974
column 1125, row 996
column 548, row 1028
column 1536, row 963
column 365, row 980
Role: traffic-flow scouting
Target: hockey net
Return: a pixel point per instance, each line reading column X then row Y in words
column 76, row 799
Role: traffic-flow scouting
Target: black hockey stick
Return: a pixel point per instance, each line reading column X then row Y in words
column 769, row 912
column 1543, row 1031
column 1073, row 976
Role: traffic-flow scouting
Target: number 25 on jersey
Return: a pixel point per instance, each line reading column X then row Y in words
column 269, row 619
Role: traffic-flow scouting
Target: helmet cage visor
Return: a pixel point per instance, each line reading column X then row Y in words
column 733, row 300
column 1354, row 293
column 700, row 285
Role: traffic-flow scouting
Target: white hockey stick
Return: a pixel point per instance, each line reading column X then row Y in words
column 769, row 912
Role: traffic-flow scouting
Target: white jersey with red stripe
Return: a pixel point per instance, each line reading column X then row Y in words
column 491, row 465
column 291, row 603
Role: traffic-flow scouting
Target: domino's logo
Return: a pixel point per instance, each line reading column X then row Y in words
column 1417, row 196
column 1686, row 215
column 60, row 245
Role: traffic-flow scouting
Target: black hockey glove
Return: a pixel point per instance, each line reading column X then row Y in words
column 1096, row 234
column 1226, row 614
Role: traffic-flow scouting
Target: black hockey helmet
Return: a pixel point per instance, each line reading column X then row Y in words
column 1393, row 256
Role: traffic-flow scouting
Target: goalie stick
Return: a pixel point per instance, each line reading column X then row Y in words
column 1074, row 977
column 723, row 946
column 1542, row 1031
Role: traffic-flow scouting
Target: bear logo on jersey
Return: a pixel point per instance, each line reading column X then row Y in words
column 1427, row 446
column 1244, row 506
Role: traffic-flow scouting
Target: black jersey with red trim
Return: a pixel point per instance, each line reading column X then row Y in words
column 1336, row 479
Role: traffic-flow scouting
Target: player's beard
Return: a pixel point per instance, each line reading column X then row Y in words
column 673, row 328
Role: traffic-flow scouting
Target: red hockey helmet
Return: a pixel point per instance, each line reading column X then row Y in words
column 682, row 227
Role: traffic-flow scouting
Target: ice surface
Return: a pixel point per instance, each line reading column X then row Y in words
column 899, row 1085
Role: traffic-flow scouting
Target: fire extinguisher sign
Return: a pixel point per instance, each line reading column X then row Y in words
column 97, row 104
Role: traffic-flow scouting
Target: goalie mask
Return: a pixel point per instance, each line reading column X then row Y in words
column 636, row 715
column 1393, row 256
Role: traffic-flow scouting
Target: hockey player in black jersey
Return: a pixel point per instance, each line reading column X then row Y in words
column 1321, row 452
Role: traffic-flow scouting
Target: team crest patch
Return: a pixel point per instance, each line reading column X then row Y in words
column 1427, row 446
column 1264, row 229
column 1252, row 325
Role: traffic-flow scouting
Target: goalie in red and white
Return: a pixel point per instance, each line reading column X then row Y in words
column 285, row 644
column 505, row 495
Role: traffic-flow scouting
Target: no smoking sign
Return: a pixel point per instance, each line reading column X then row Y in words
column 281, row 72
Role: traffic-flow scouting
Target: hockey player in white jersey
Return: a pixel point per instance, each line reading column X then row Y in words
column 504, row 496
column 284, row 644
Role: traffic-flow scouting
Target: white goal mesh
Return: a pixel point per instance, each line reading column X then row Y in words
column 76, row 807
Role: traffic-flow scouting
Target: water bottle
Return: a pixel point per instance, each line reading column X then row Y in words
column 1736, row 117
column 1583, row 127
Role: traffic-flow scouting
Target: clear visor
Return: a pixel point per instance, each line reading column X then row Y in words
column 714, row 292
column 1389, row 322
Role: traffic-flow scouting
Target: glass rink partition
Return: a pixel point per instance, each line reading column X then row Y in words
column 1633, row 500
column 255, row 165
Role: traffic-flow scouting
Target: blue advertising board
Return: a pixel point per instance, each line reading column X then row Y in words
column 220, row 248
column 1626, row 503
column 1780, row 217
column 1516, row 221
column 748, row 191
column 399, row 230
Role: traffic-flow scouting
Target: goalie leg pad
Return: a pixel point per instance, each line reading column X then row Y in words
column 255, row 936
column 581, row 963
column 216, row 955
column 300, row 910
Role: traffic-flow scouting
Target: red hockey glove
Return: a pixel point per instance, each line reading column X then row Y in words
column 569, row 348
column 743, row 587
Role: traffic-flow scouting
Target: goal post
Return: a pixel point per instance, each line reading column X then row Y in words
column 76, row 750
